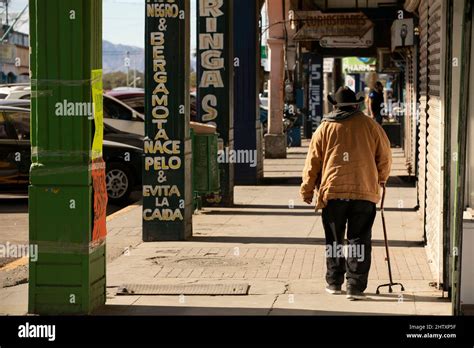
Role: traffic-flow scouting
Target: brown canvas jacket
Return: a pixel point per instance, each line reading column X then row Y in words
column 347, row 159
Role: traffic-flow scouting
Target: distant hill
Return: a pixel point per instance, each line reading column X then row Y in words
column 114, row 56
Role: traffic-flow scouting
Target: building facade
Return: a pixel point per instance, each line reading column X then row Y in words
column 14, row 57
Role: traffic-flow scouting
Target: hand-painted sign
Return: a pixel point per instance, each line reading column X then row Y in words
column 316, row 25
column 211, row 59
column 215, row 78
column 166, row 201
column 99, row 231
column 348, row 41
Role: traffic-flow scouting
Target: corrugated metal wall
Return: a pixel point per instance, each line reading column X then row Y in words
column 411, row 117
column 435, row 130
column 423, row 99
column 431, row 139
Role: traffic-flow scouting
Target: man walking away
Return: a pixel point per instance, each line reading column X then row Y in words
column 349, row 159
column 376, row 101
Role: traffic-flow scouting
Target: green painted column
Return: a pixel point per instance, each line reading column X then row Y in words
column 167, row 181
column 67, row 197
column 215, row 78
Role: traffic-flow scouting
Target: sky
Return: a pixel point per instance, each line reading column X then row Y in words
column 123, row 20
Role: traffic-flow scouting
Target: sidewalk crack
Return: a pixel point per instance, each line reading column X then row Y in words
column 287, row 288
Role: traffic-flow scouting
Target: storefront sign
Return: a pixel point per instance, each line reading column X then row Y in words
column 211, row 60
column 356, row 65
column 316, row 25
column 315, row 89
column 165, row 198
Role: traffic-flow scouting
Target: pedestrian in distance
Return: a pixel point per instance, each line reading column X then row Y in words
column 376, row 101
column 348, row 162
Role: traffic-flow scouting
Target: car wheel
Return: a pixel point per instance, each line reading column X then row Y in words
column 119, row 183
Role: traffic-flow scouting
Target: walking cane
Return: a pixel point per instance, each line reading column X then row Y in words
column 389, row 285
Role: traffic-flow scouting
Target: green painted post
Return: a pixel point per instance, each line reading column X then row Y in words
column 67, row 198
column 215, row 78
column 167, row 183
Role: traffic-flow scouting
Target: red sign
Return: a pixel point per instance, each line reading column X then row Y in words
column 99, row 231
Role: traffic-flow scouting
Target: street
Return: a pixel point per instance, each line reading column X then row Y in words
column 14, row 217
column 14, row 230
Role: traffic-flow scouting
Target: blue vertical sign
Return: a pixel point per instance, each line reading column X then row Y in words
column 247, row 129
column 315, row 89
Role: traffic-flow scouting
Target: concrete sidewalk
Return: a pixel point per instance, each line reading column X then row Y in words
column 272, row 242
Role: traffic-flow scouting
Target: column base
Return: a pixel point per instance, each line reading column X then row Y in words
column 275, row 146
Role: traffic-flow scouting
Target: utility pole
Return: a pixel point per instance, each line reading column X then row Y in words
column 10, row 28
column 6, row 11
column 127, row 65
column 134, row 73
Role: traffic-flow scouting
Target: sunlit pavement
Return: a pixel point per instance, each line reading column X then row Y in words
column 274, row 243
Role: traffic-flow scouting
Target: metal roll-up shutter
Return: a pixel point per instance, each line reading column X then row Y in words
column 423, row 100
column 435, row 138
column 410, row 111
column 415, row 111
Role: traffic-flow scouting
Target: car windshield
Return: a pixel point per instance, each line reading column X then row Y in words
column 116, row 111
column 137, row 103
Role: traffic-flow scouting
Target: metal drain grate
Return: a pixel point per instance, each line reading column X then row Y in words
column 184, row 289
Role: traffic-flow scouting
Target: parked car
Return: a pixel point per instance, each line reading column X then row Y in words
column 118, row 136
column 116, row 113
column 16, row 103
column 130, row 89
column 110, row 133
column 15, row 91
column 123, row 162
column 122, row 117
column 135, row 98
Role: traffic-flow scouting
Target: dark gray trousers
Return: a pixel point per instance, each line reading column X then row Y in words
column 359, row 217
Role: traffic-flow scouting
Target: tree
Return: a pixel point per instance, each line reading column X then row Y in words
column 119, row 79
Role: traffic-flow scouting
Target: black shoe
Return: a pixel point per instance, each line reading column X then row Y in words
column 334, row 289
column 354, row 295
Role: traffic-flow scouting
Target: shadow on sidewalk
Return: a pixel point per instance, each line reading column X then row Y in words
column 290, row 211
column 394, row 297
column 393, row 181
column 296, row 240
